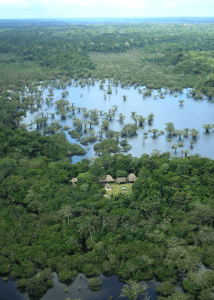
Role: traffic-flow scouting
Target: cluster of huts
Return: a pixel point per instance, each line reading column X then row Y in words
column 108, row 179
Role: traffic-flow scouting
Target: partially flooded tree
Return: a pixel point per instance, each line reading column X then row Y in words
column 170, row 128
column 141, row 120
column 154, row 131
column 150, row 118
column 105, row 124
column 132, row 289
column 129, row 130
column 121, row 117
column 194, row 133
column 207, row 127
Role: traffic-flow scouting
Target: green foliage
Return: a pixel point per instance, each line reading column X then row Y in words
column 107, row 146
column 165, row 227
column 121, row 173
column 132, row 290
column 129, row 130
column 95, row 284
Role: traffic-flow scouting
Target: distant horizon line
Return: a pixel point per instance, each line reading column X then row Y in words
column 51, row 18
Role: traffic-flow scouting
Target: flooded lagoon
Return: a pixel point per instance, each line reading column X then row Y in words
column 192, row 114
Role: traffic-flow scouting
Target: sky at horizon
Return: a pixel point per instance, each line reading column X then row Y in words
column 22, row 9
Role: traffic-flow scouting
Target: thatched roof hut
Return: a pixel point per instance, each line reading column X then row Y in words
column 132, row 177
column 74, row 181
column 107, row 178
column 108, row 187
column 121, row 180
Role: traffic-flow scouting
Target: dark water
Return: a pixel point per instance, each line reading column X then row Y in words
column 8, row 291
column 110, row 286
column 193, row 114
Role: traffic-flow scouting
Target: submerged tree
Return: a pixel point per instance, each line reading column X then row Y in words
column 105, row 124
column 207, row 127
column 170, row 128
column 194, row 133
column 154, row 131
column 133, row 289
column 129, row 130
column 121, row 117
column 141, row 120
column 150, row 118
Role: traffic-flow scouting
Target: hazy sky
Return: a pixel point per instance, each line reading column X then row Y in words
column 16, row 9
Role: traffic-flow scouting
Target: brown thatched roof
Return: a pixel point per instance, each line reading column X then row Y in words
column 132, row 177
column 74, row 180
column 121, row 180
column 108, row 187
column 107, row 178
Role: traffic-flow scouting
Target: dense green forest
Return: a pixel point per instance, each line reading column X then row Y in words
column 163, row 229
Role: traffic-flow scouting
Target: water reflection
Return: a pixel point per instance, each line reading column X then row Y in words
column 192, row 114
column 111, row 286
column 8, row 291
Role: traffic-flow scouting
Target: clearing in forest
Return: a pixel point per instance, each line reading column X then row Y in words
column 117, row 188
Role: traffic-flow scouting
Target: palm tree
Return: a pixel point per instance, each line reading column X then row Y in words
column 63, row 114
column 117, row 134
column 179, row 132
column 124, row 97
column 150, row 118
column 207, row 127
column 186, row 132
column 141, row 120
column 73, row 108
column 114, row 108
column 121, row 117
column 85, row 124
column 174, row 147
column 91, row 123
column 185, row 152
column 170, row 128
column 194, row 133
column 105, row 124
column 154, row 131
column 110, row 115
column 181, row 102
column 100, row 132
column 135, row 118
